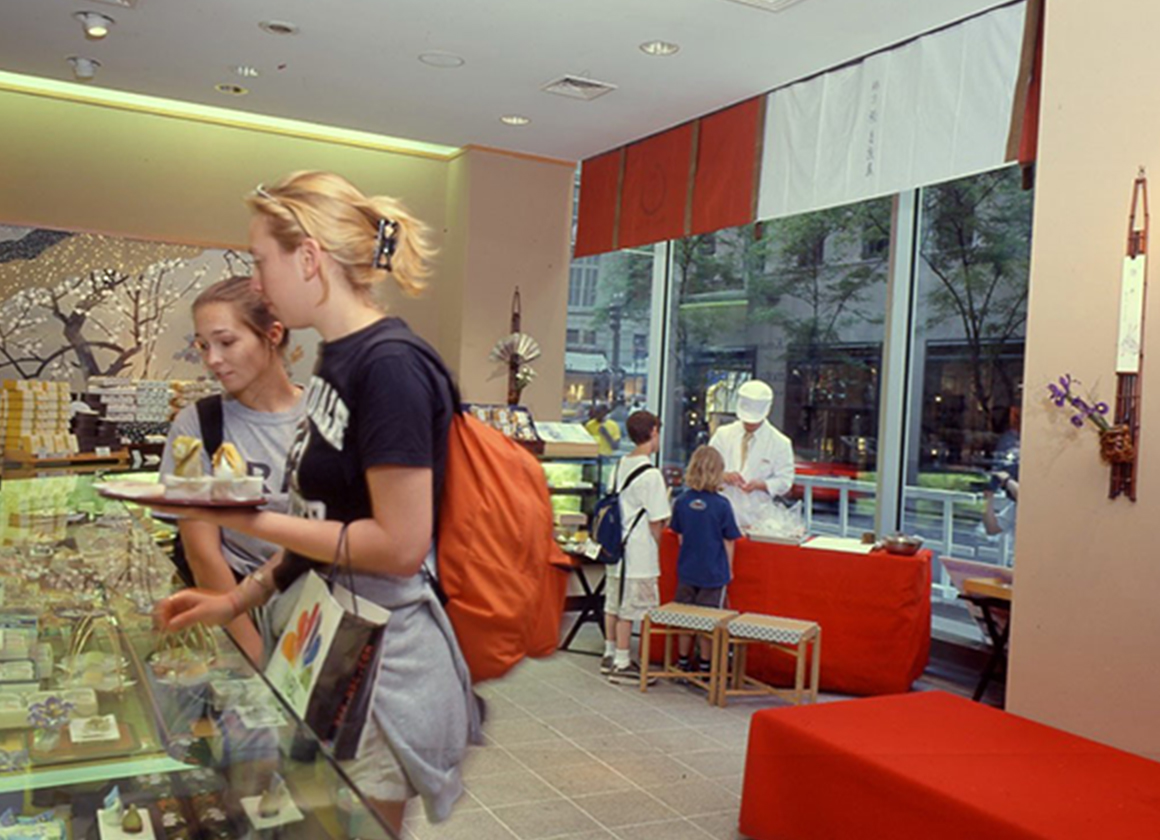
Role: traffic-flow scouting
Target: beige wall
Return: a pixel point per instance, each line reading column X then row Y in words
column 500, row 220
column 1086, row 632
column 510, row 219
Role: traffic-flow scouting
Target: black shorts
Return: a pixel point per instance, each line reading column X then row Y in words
column 701, row 596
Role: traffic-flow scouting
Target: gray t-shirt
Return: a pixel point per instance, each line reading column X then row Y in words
column 262, row 438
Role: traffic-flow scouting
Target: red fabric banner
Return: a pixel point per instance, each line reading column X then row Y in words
column 599, row 204
column 1029, row 141
column 656, row 188
column 724, row 187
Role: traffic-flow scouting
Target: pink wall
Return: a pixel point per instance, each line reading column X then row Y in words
column 1085, row 647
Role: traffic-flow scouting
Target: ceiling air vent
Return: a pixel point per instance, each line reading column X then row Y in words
column 767, row 5
column 576, row 87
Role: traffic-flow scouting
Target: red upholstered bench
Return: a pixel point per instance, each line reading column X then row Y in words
column 933, row 765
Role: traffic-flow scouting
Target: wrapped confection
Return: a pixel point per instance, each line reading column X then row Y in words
column 228, row 462
column 230, row 479
column 187, row 457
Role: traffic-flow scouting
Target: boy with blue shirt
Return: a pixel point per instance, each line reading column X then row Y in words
column 704, row 523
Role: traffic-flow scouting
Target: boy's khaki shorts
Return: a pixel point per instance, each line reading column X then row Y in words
column 640, row 596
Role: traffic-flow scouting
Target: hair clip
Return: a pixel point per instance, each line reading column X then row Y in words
column 387, row 242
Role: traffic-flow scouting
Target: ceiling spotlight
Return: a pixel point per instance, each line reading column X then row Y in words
column 83, row 68
column 96, row 25
column 278, row 27
column 659, row 48
column 246, row 71
column 514, row 119
column 442, row 59
column 231, row 89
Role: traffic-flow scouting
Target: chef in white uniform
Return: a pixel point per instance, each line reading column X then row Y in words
column 758, row 457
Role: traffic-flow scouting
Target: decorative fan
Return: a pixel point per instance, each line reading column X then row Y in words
column 518, row 346
column 515, row 351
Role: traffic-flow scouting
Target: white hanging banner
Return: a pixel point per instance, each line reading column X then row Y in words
column 929, row 111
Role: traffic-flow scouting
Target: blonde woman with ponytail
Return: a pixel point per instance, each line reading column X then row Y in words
column 369, row 458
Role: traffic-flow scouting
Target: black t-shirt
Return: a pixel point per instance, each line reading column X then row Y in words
column 371, row 402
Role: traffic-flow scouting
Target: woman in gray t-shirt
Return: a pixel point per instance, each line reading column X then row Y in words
column 242, row 345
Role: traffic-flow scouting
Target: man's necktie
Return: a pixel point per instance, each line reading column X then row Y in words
column 745, row 441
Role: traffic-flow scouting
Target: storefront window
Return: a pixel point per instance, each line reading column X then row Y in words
column 798, row 303
column 967, row 363
column 606, row 355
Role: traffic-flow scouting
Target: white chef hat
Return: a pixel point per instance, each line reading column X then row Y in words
column 754, row 400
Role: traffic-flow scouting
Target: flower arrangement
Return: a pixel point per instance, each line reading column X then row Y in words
column 50, row 713
column 49, row 716
column 1115, row 440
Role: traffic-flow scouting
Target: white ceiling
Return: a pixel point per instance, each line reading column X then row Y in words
column 354, row 63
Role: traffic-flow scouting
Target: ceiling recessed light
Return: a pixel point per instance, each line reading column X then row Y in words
column 514, row 119
column 659, row 48
column 96, row 25
column 768, row 5
column 83, row 68
column 442, row 59
column 231, row 89
column 246, row 71
column 278, row 27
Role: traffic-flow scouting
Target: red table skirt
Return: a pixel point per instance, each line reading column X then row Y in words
column 930, row 764
column 874, row 610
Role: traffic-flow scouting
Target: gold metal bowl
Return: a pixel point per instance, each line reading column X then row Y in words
column 902, row 544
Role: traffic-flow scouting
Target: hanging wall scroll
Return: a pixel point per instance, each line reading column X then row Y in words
column 1121, row 448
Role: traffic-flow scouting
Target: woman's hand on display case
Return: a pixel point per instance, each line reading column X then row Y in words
column 195, row 606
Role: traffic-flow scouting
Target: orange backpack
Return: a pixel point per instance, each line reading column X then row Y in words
column 501, row 575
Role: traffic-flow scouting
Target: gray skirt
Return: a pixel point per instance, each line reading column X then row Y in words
column 423, row 701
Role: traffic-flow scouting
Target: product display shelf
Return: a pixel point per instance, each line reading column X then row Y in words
column 98, row 710
column 30, row 459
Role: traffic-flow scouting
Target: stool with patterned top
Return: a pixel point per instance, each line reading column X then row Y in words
column 789, row 635
column 675, row 619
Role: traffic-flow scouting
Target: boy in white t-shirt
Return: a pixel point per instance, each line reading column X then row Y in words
column 641, row 556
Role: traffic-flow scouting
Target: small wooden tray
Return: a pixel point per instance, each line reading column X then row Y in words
column 988, row 588
column 66, row 751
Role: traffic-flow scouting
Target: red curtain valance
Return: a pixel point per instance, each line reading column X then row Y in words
column 697, row 177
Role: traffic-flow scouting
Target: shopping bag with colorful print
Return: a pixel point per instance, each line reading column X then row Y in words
column 326, row 662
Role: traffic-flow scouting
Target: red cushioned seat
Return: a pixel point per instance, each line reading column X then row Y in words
column 933, row 765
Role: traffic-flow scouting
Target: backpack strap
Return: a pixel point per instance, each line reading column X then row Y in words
column 632, row 476
column 643, row 468
column 211, row 416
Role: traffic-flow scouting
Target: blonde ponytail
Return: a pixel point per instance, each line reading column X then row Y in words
column 345, row 223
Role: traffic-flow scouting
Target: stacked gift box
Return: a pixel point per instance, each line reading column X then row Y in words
column 35, row 415
column 188, row 391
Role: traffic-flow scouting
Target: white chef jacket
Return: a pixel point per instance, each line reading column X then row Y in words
column 770, row 456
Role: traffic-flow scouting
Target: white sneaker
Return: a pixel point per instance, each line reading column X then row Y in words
column 628, row 675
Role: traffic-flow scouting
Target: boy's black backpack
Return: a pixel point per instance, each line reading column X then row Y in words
column 608, row 523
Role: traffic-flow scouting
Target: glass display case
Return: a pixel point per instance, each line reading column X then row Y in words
column 575, row 486
column 110, row 729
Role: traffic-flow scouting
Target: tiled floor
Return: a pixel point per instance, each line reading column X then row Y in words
column 570, row 755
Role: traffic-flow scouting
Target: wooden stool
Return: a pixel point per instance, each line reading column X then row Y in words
column 676, row 619
column 788, row 635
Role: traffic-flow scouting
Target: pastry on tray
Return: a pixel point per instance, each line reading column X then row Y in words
column 229, row 481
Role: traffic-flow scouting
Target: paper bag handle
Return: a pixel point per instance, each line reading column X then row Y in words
column 341, row 548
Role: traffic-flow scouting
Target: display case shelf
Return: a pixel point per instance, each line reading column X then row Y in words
column 184, row 728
